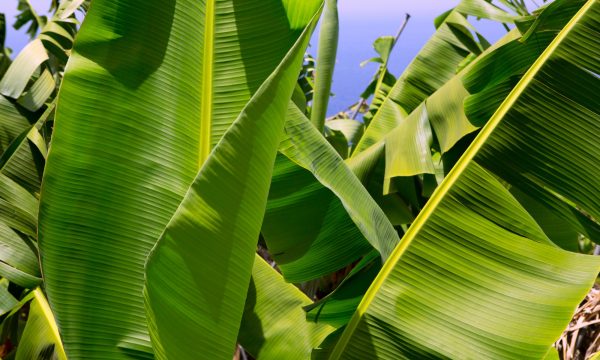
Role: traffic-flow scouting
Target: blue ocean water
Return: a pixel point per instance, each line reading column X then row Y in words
column 361, row 22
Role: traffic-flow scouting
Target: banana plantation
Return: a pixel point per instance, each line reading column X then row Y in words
column 172, row 185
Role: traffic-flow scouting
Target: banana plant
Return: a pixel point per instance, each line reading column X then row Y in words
column 326, row 57
column 324, row 229
column 475, row 239
column 162, row 158
column 513, row 47
column 29, row 83
column 198, row 113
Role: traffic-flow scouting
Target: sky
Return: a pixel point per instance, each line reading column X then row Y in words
column 361, row 22
column 17, row 39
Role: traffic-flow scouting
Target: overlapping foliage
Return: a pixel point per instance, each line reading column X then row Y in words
column 447, row 222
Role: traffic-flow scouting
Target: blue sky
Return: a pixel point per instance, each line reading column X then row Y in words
column 17, row 39
column 361, row 22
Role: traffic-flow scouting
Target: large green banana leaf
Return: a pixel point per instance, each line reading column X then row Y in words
column 449, row 121
column 462, row 283
column 459, row 107
column 198, row 272
column 144, row 100
column 320, row 226
column 335, row 217
column 465, row 102
column 305, row 222
column 468, row 100
column 311, row 151
column 274, row 325
column 435, row 64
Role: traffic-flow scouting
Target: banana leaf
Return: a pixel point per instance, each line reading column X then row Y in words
column 326, row 57
column 40, row 339
column 435, row 64
column 336, row 218
column 140, row 109
column 498, row 291
column 198, row 272
column 274, row 325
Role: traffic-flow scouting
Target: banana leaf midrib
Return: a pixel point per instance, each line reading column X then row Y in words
column 451, row 179
column 207, row 84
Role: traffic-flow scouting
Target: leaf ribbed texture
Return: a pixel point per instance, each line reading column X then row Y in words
column 198, row 272
column 462, row 284
column 326, row 58
column 274, row 325
column 335, row 219
column 40, row 337
column 126, row 148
